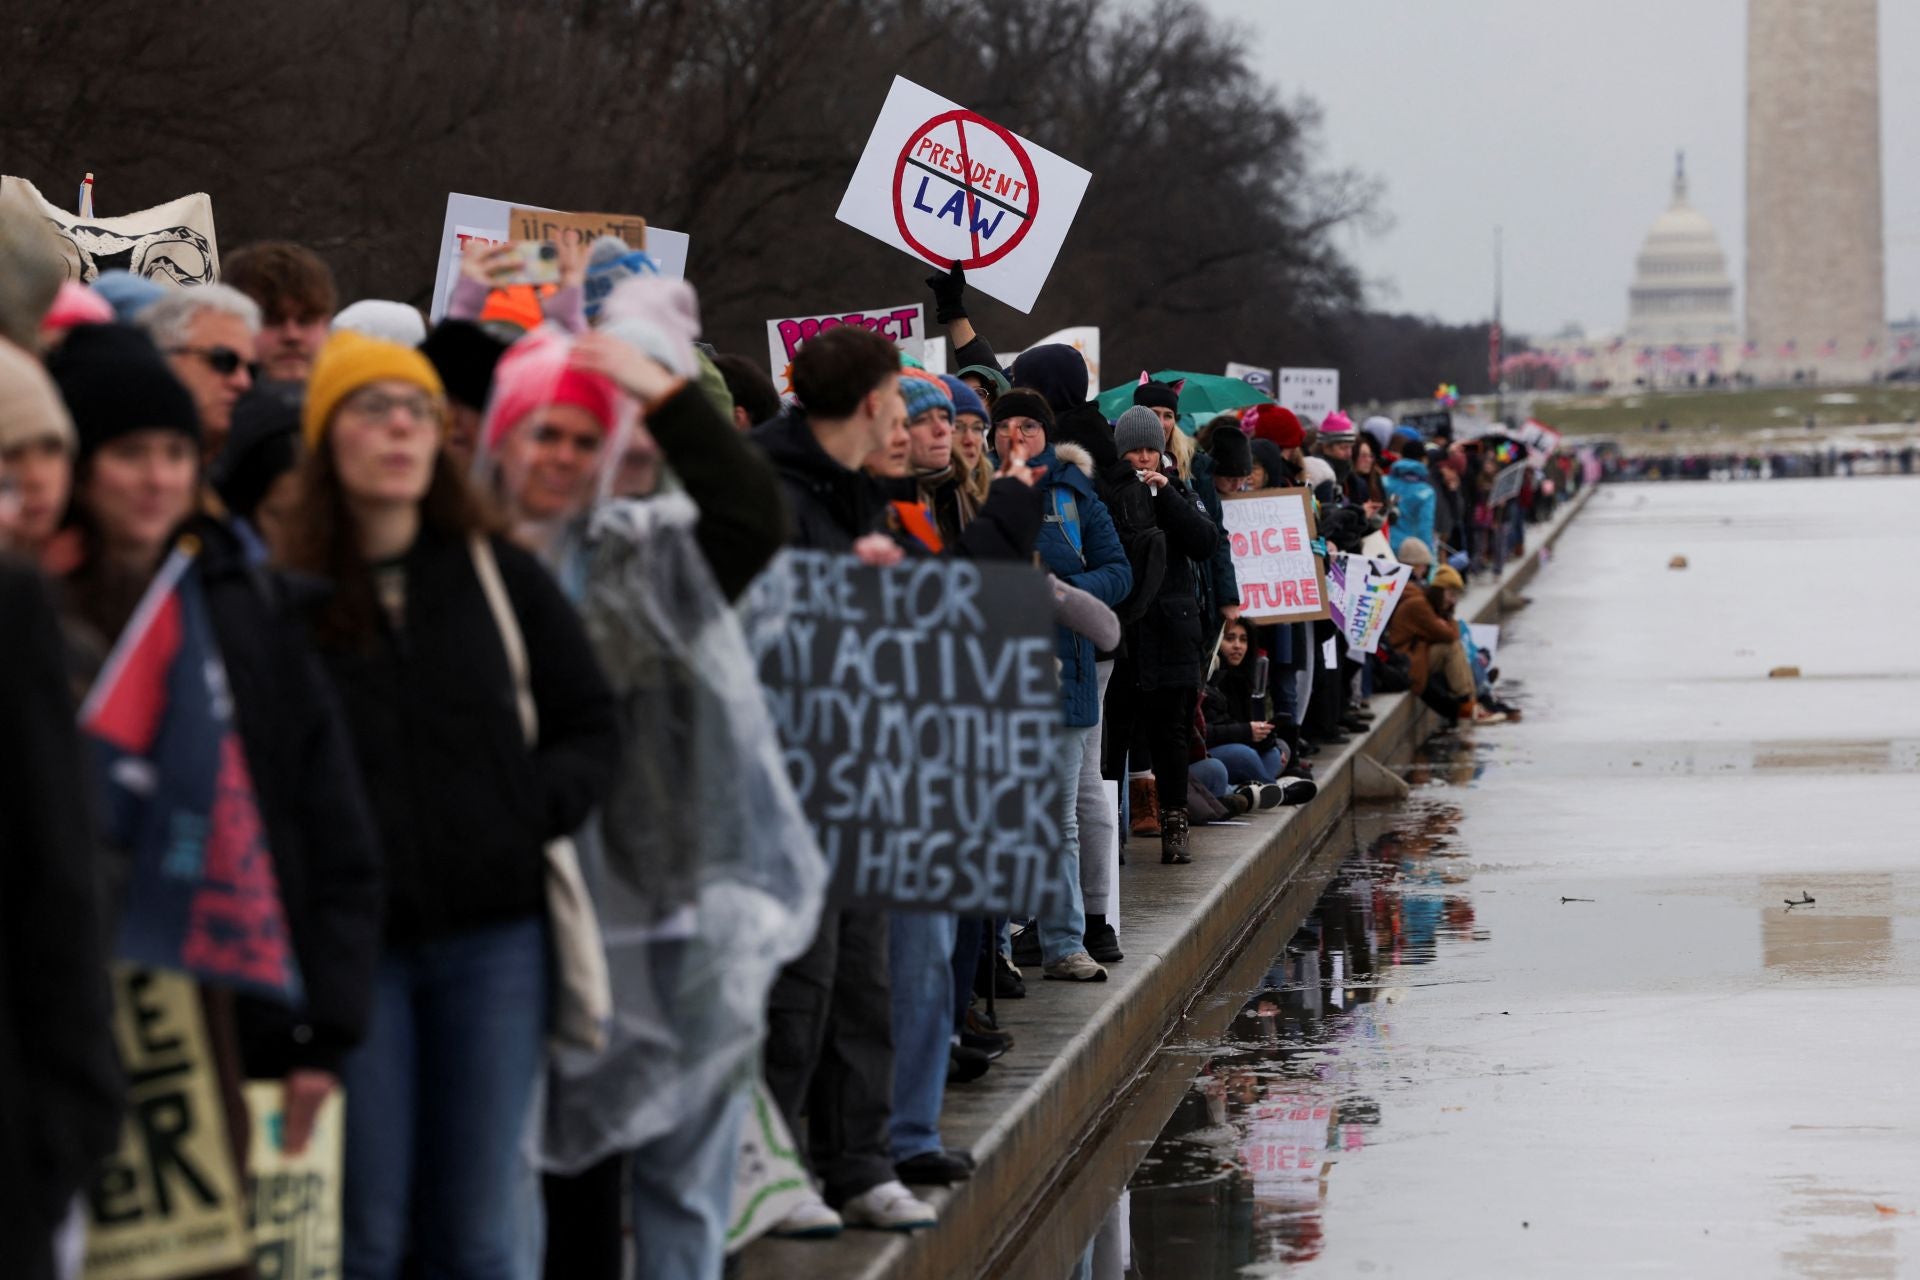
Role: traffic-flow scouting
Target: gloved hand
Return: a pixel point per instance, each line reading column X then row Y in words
column 949, row 294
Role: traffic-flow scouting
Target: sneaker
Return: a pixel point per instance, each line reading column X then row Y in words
column 809, row 1220
column 1483, row 716
column 1102, row 943
column 888, row 1207
column 1078, row 967
column 1297, row 790
column 1265, row 794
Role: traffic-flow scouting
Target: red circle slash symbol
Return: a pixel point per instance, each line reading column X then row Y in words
column 964, row 195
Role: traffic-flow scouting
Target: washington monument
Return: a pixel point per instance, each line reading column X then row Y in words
column 1816, row 277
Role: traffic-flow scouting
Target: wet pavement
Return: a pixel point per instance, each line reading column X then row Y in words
column 1553, row 1015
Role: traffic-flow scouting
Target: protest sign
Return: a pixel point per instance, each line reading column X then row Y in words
column 769, row 1181
column 1271, row 533
column 168, row 1203
column 548, row 224
column 949, row 185
column 1312, row 394
column 171, row 243
column 918, row 707
column 1506, row 485
column 1362, row 593
column 934, row 356
column 905, row 327
column 1486, row 638
column 479, row 218
column 1539, row 438
column 1260, row 379
column 293, row 1202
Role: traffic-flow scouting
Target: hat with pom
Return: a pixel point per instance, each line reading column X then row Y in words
column 1275, row 423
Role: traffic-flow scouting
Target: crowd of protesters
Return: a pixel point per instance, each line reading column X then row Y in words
column 403, row 537
column 1776, row 464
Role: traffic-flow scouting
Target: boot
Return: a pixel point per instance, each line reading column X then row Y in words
column 1173, row 836
column 1144, row 799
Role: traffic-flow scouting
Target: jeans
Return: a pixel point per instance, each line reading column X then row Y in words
column 830, row 1051
column 683, row 1190
column 1063, row 930
column 439, row 1099
column 920, row 963
column 1211, row 777
column 1251, row 764
column 1095, row 816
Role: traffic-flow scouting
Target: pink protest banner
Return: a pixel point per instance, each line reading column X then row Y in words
column 904, row 326
column 1272, row 535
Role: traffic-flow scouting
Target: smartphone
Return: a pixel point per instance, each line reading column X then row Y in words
column 1259, row 678
column 539, row 263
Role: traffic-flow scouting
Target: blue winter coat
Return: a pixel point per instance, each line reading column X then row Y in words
column 1099, row 568
column 1408, row 485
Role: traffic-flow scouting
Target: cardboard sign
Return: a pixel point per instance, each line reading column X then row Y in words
column 168, row 1203
column 293, row 1202
column 546, row 224
column 946, row 184
column 479, row 218
column 1255, row 376
column 171, row 243
column 905, row 327
column 919, row 706
column 1362, row 594
column 1271, row 532
column 1312, row 394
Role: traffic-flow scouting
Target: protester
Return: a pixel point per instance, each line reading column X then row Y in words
column 256, row 473
column 1364, row 487
column 1241, row 734
column 754, row 398
column 1422, row 630
column 208, row 335
column 128, row 294
column 973, row 358
column 61, row 1092
column 1225, row 468
column 294, row 290
column 970, row 427
column 1156, row 683
column 384, row 319
column 418, row 637
column 1412, row 491
column 465, row 356
column 1059, row 373
column 36, row 457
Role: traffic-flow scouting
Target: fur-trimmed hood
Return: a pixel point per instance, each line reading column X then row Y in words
column 1075, row 456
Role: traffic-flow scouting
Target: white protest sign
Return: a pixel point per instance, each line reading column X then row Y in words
column 946, row 184
column 904, row 326
column 934, row 356
column 171, row 243
column 480, row 218
column 1271, row 534
column 1256, row 376
column 1541, row 440
column 1486, row 638
column 1363, row 593
column 1084, row 338
column 1506, row 485
column 1312, row 394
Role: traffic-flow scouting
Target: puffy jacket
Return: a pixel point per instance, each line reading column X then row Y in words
column 1099, row 568
column 1408, row 485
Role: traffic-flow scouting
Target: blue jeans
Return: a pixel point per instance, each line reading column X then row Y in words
column 1211, row 776
column 920, row 961
column 1250, row 764
column 683, row 1189
column 1064, row 930
column 439, row 1099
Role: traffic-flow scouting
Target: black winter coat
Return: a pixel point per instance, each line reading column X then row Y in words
column 833, row 507
column 1006, row 526
column 1166, row 643
column 743, row 512
column 1229, row 705
column 464, row 809
column 319, row 830
column 60, row 1086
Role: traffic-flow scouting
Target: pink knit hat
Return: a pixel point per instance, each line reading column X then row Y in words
column 535, row 372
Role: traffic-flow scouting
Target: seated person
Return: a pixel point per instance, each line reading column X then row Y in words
column 1438, row 669
column 1239, row 735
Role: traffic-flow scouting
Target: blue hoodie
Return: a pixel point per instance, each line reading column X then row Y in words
column 1408, row 485
column 1099, row 567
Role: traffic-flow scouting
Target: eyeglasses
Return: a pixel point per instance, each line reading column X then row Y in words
column 1025, row 426
column 380, row 405
column 224, row 361
column 972, row 427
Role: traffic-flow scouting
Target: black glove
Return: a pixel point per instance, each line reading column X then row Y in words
column 949, row 294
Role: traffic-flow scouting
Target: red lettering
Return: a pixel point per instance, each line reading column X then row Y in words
column 1290, row 593
column 1293, row 540
column 1310, row 592
column 926, row 146
column 1240, row 545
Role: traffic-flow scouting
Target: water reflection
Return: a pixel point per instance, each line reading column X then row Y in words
column 1241, row 1172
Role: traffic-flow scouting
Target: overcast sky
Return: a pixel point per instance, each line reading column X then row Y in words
column 1559, row 122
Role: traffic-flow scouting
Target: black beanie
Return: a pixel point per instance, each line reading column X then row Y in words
column 1413, row 451
column 116, row 382
column 262, row 446
column 1157, row 395
column 1023, row 403
column 464, row 355
column 1232, row 456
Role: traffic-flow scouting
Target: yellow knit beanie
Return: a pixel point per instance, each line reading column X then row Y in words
column 349, row 362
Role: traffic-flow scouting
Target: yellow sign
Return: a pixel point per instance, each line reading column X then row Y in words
column 294, row 1201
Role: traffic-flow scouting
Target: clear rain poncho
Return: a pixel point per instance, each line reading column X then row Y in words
column 704, row 872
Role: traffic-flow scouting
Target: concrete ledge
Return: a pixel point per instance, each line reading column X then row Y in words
column 1080, row 1048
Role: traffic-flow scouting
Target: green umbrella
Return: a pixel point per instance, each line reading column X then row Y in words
column 1203, row 393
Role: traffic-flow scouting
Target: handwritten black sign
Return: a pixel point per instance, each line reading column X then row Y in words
column 919, row 710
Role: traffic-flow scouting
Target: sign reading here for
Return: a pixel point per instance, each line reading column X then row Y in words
column 919, row 708
column 1271, row 533
column 949, row 185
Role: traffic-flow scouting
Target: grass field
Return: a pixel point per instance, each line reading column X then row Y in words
column 1635, row 419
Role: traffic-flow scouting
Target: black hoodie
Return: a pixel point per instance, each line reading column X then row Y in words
column 1059, row 373
column 833, row 506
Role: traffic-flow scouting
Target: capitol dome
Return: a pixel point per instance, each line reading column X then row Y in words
column 1681, row 294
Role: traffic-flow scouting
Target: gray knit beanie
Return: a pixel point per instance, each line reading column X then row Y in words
column 1138, row 428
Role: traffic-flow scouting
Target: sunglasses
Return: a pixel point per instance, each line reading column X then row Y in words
column 224, row 361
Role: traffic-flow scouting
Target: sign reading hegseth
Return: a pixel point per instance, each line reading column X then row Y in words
column 1271, row 533
column 918, row 706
